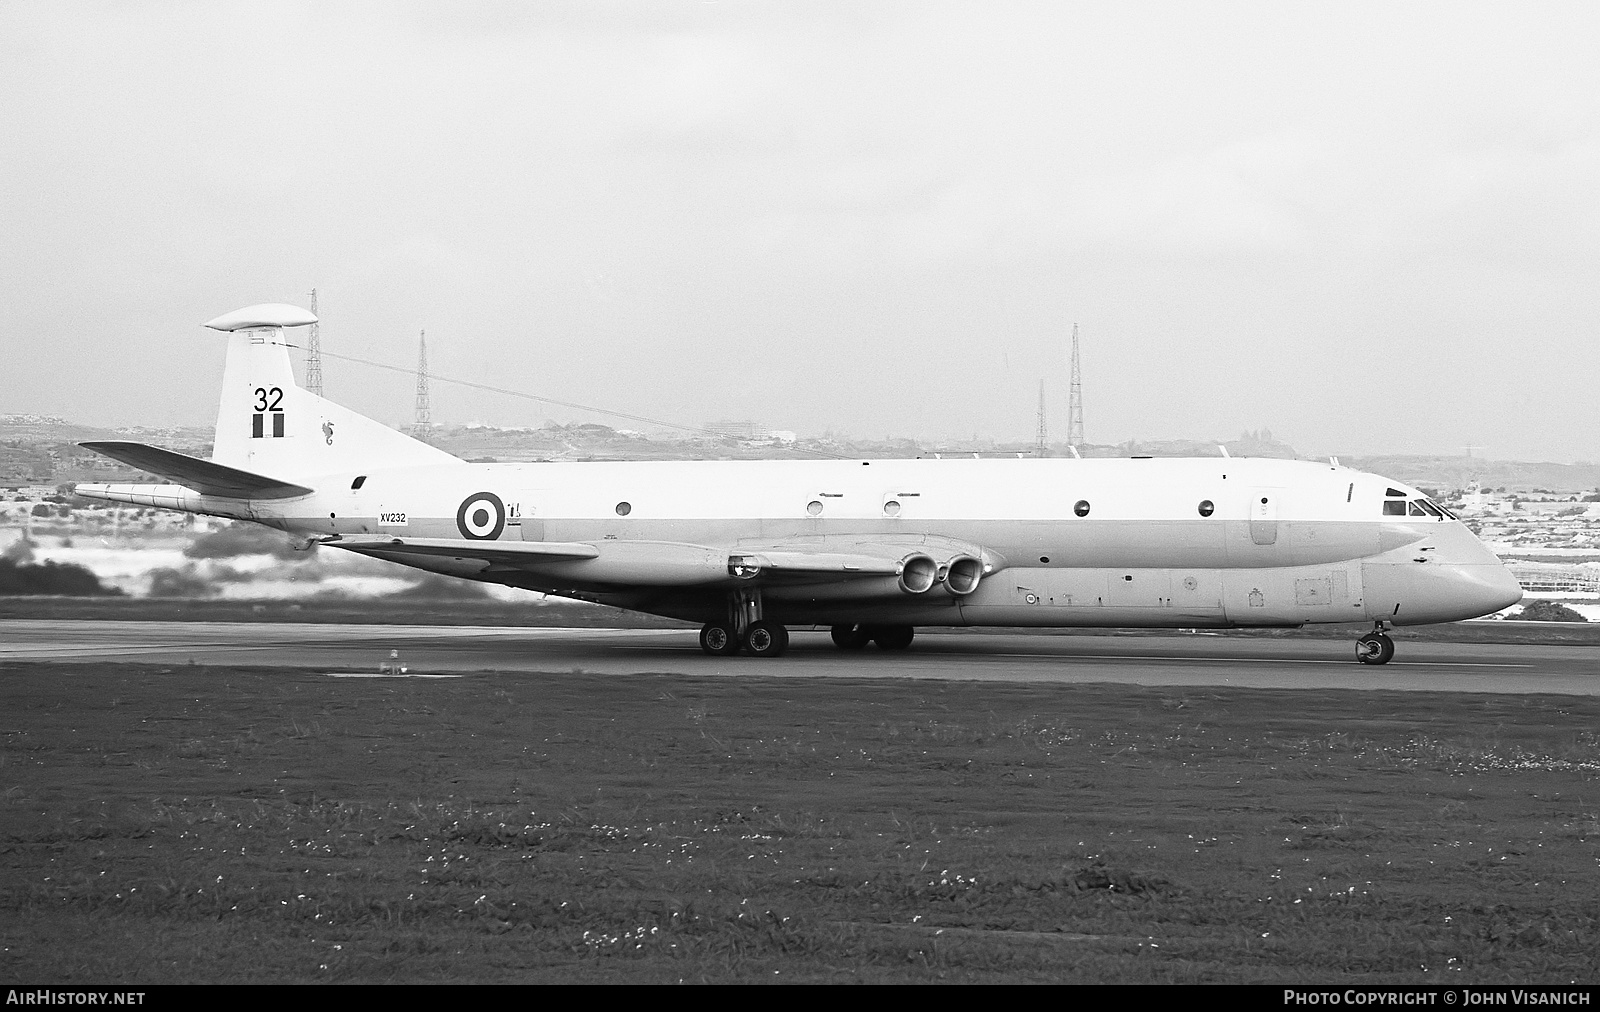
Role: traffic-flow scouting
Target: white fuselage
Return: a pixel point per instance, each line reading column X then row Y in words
column 1282, row 542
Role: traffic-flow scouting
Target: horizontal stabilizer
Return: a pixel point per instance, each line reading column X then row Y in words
column 462, row 548
column 203, row 476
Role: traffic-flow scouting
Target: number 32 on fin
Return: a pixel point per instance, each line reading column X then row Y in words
column 268, row 400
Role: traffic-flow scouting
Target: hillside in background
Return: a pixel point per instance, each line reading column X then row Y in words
column 1460, row 472
column 38, row 450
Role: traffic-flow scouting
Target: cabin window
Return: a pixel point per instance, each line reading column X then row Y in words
column 891, row 508
column 360, row 481
column 623, row 509
column 1081, row 507
column 1394, row 508
column 1207, row 507
column 814, row 507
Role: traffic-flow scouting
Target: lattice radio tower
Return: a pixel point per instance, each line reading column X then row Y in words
column 1042, row 447
column 424, row 419
column 1075, row 398
column 314, row 353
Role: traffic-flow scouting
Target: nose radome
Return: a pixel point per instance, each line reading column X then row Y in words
column 1421, row 593
column 1501, row 590
column 1482, row 590
column 1447, row 577
column 1480, row 582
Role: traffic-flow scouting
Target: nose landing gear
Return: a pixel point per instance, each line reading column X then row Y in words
column 1375, row 647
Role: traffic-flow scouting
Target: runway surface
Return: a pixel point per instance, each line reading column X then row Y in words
column 1179, row 660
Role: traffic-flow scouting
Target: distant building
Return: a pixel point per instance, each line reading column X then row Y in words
column 1550, row 578
column 742, row 429
column 31, row 420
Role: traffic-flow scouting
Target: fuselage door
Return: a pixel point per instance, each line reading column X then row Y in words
column 526, row 516
column 1264, row 515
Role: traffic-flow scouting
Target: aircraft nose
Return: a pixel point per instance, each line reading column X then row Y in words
column 1420, row 593
column 1486, row 589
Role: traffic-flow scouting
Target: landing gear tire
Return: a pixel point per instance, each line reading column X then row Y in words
column 1375, row 648
column 718, row 639
column 893, row 637
column 851, row 637
column 766, row 639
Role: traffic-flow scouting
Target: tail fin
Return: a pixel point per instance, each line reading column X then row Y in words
column 268, row 425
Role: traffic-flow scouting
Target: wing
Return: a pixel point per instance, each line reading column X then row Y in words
column 917, row 562
column 868, row 567
column 203, row 476
column 509, row 552
column 788, row 565
column 777, row 563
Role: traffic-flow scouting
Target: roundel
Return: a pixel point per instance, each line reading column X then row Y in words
column 482, row 516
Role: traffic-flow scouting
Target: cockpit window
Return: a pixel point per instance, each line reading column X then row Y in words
column 1395, row 493
column 1415, row 508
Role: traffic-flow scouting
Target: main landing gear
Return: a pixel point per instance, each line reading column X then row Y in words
column 888, row 637
column 1375, row 647
column 745, row 629
column 759, row 639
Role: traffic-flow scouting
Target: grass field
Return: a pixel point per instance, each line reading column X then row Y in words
column 206, row 824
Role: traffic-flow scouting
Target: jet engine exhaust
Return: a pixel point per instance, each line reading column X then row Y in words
column 962, row 575
column 918, row 574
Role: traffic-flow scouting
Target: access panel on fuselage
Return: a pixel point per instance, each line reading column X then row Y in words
column 529, row 522
column 1294, row 595
column 1160, row 598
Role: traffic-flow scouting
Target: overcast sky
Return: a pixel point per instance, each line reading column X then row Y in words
column 1368, row 227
